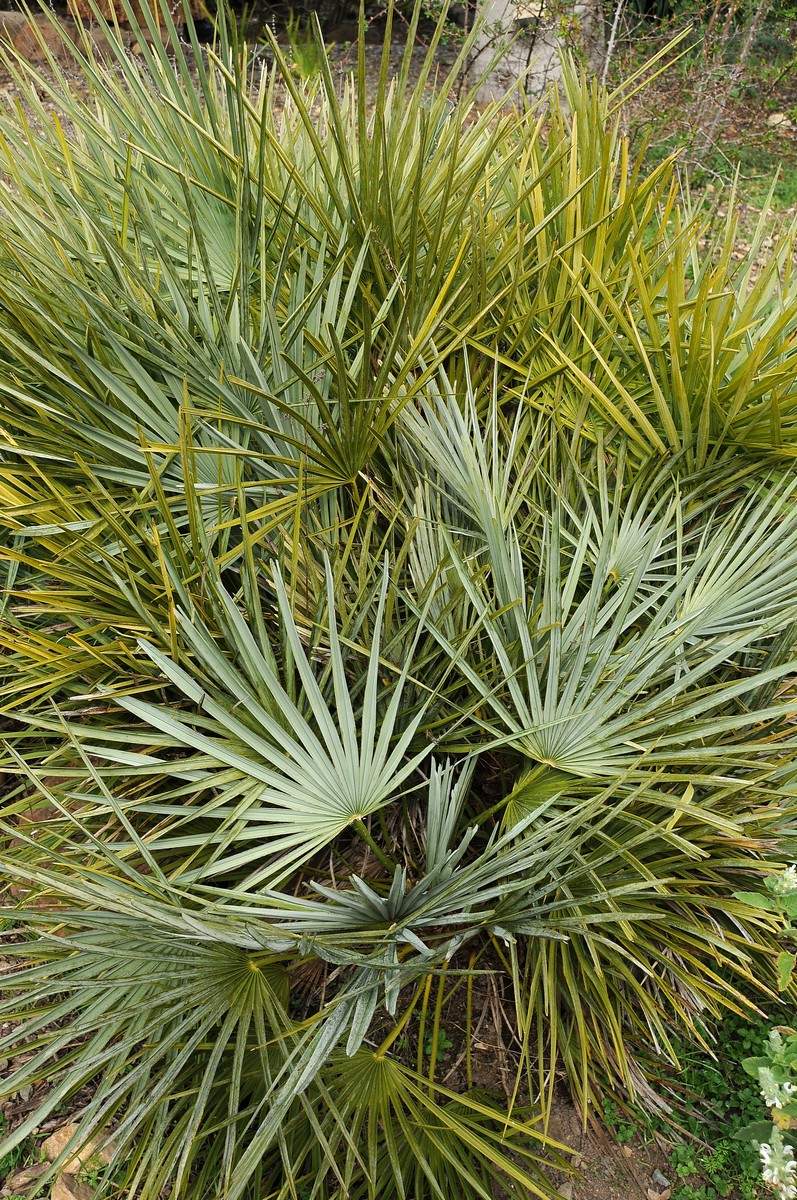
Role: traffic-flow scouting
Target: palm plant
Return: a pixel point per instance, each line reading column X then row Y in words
column 401, row 587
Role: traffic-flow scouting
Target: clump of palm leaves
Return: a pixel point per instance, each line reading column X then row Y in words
column 400, row 554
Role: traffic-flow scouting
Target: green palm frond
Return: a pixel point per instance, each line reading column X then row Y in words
column 400, row 598
column 595, row 668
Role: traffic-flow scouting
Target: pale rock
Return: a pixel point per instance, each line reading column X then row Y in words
column 69, row 1187
column 566, row 1190
column 94, row 1150
column 27, row 33
column 21, row 1180
column 12, row 24
column 775, row 119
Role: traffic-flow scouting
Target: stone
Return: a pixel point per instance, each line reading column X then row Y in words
column 775, row 119
column 566, row 1190
column 96, row 1150
column 110, row 9
column 69, row 1187
column 660, row 1180
column 12, row 24
column 21, row 1180
column 33, row 36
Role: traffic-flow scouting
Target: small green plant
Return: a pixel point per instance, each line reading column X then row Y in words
column 713, row 1099
column 722, row 1171
column 703, row 1191
column 775, row 1071
column 716, row 1098
column 623, row 1129
column 774, row 1068
column 685, row 1160
column 780, row 898
column 18, row 1155
column 437, row 1046
column 306, row 50
column 94, row 1175
column 21, row 1155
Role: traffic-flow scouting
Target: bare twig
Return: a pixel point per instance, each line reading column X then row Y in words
column 618, row 16
column 757, row 18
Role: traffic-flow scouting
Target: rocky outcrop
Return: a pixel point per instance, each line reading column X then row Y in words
column 35, row 37
column 69, row 1187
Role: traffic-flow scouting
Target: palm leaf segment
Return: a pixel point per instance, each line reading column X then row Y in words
column 631, row 646
column 188, row 1028
column 309, row 772
column 610, row 658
